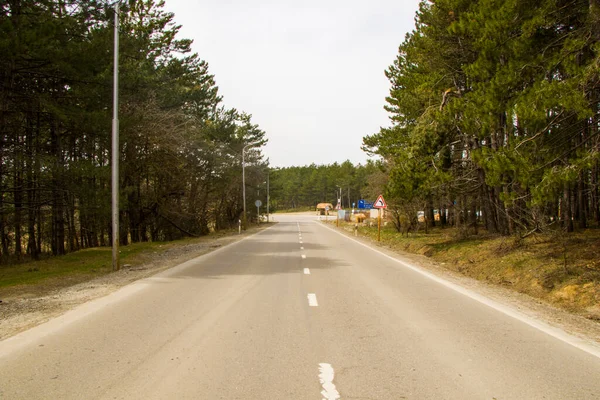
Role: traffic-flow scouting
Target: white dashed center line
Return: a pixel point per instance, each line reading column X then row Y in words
column 326, row 376
column 312, row 300
column 301, row 247
column 306, row 271
column 303, row 255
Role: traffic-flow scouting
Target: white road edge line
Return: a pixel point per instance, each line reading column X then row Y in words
column 580, row 343
column 312, row 300
column 306, row 271
column 326, row 376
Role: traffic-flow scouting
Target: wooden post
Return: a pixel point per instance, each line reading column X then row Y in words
column 379, row 225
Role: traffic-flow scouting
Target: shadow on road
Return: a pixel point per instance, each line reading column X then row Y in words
column 260, row 265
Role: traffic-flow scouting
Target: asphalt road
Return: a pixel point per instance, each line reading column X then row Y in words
column 295, row 312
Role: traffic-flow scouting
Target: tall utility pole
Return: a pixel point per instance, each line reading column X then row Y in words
column 244, row 220
column 267, row 195
column 115, row 149
column 349, row 201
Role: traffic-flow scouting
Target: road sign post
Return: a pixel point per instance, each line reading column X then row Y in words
column 338, row 207
column 364, row 205
column 379, row 204
column 379, row 225
column 258, row 203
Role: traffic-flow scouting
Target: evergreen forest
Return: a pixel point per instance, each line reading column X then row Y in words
column 494, row 112
column 180, row 149
column 494, row 108
column 295, row 188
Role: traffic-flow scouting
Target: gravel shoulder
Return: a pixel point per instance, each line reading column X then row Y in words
column 23, row 308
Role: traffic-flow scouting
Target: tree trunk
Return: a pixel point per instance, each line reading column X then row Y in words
column 429, row 211
column 70, row 201
column 123, row 231
column 510, row 214
column 595, row 18
column 442, row 211
column 566, row 209
column 40, row 223
column 581, row 202
column 595, row 192
column 32, row 249
column 18, row 199
column 501, row 212
column 4, row 237
column 3, row 223
column 473, row 215
column 490, row 209
column 489, row 212
column 58, row 219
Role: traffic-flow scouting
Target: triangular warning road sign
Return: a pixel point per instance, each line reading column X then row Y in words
column 379, row 203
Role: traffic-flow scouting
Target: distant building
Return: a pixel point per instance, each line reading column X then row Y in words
column 324, row 208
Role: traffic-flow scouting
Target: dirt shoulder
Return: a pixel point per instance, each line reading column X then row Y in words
column 467, row 268
column 25, row 306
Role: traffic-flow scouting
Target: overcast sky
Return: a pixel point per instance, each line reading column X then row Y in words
column 310, row 72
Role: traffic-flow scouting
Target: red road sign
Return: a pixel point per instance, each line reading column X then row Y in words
column 380, row 202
